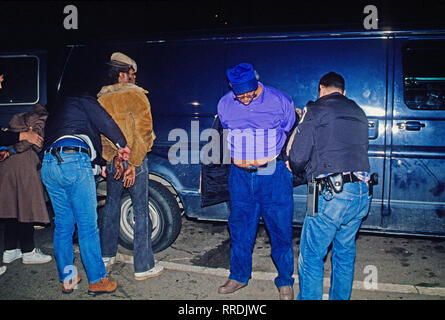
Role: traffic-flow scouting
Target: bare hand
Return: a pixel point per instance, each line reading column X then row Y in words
column 3, row 155
column 119, row 166
column 129, row 176
column 103, row 172
column 288, row 166
column 299, row 112
column 31, row 137
column 124, row 153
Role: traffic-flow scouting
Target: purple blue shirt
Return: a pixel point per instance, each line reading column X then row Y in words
column 258, row 130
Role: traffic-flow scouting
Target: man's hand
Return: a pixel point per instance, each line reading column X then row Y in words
column 119, row 166
column 103, row 172
column 129, row 176
column 3, row 155
column 31, row 137
column 124, row 153
column 288, row 166
column 299, row 112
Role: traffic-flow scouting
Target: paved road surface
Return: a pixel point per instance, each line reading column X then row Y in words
column 197, row 263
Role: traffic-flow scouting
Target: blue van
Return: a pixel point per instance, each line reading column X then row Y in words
column 397, row 77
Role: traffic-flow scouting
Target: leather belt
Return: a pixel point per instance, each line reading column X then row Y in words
column 253, row 168
column 256, row 168
column 69, row 148
column 350, row 177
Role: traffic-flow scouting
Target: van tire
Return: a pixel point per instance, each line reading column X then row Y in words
column 164, row 213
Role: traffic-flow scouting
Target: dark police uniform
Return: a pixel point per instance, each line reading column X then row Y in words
column 331, row 138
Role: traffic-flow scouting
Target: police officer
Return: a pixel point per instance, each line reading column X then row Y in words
column 331, row 145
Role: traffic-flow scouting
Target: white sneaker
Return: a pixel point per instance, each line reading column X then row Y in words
column 108, row 261
column 2, row 270
column 36, row 256
column 11, row 255
column 157, row 270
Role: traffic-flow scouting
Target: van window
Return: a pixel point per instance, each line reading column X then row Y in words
column 85, row 72
column 21, row 80
column 424, row 74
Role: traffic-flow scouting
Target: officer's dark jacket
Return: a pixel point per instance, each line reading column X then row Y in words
column 83, row 115
column 332, row 137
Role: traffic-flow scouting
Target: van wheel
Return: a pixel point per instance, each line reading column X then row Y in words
column 164, row 213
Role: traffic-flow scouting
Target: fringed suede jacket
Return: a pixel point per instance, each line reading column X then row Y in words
column 128, row 105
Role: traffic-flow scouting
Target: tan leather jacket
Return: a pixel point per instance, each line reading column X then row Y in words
column 128, row 105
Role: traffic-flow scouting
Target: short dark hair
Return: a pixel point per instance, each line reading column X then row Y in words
column 332, row 79
column 113, row 73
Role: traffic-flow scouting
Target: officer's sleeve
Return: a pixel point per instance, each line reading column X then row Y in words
column 301, row 144
column 105, row 124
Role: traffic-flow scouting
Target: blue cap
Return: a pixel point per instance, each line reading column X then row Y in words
column 242, row 78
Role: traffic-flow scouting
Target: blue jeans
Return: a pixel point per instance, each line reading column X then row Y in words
column 337, row 222
column 72, row 190
column 143, row 252
column 268, row 195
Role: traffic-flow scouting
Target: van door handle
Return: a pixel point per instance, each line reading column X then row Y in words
column 373, row 129
column 410, row 125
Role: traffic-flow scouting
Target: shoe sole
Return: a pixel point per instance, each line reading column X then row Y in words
column 149, row 276
column 221, row 289
column 229, row 292
column 96, row 293
column 35, row 262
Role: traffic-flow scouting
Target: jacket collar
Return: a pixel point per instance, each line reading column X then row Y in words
column 119, row 87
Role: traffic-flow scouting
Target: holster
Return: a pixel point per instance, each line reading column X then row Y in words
column 372, row 182
column 336, row 182
column 56, row 154
column 312, row 198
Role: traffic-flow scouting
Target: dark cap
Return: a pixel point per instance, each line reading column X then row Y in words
column 242, row 78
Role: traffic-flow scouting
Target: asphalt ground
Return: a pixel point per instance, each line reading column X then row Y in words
column 387, row 269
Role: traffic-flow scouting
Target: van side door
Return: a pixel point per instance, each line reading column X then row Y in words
column 417, row 188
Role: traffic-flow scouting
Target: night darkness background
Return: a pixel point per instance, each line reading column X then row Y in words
column 29, row 24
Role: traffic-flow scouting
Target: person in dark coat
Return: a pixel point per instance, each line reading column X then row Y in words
column 330, row 143
column 22, row 193
column 22, row 198
column 72, row 150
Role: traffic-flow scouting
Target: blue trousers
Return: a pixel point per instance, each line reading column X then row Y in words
column 143, row 252
column 337, row 222
column 267, row 195
column 72, row 190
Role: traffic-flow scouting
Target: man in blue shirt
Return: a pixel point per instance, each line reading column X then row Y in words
column 258, row 118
